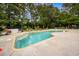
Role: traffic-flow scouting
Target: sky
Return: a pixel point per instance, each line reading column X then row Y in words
column 58, row 5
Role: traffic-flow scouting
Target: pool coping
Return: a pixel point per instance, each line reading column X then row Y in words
column 17, row 49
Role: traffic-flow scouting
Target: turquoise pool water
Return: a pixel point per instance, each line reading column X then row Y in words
column 32, row 38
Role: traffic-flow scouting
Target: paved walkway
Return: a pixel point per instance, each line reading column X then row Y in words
column 62, row 44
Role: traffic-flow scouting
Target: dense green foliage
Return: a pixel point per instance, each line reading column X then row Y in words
column 42, row 16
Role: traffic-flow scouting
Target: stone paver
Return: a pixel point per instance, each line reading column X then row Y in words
column 62, row 44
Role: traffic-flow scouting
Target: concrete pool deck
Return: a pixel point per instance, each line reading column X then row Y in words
column 62, row 44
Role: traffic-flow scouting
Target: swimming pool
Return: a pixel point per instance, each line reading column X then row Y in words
column 32, row 38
